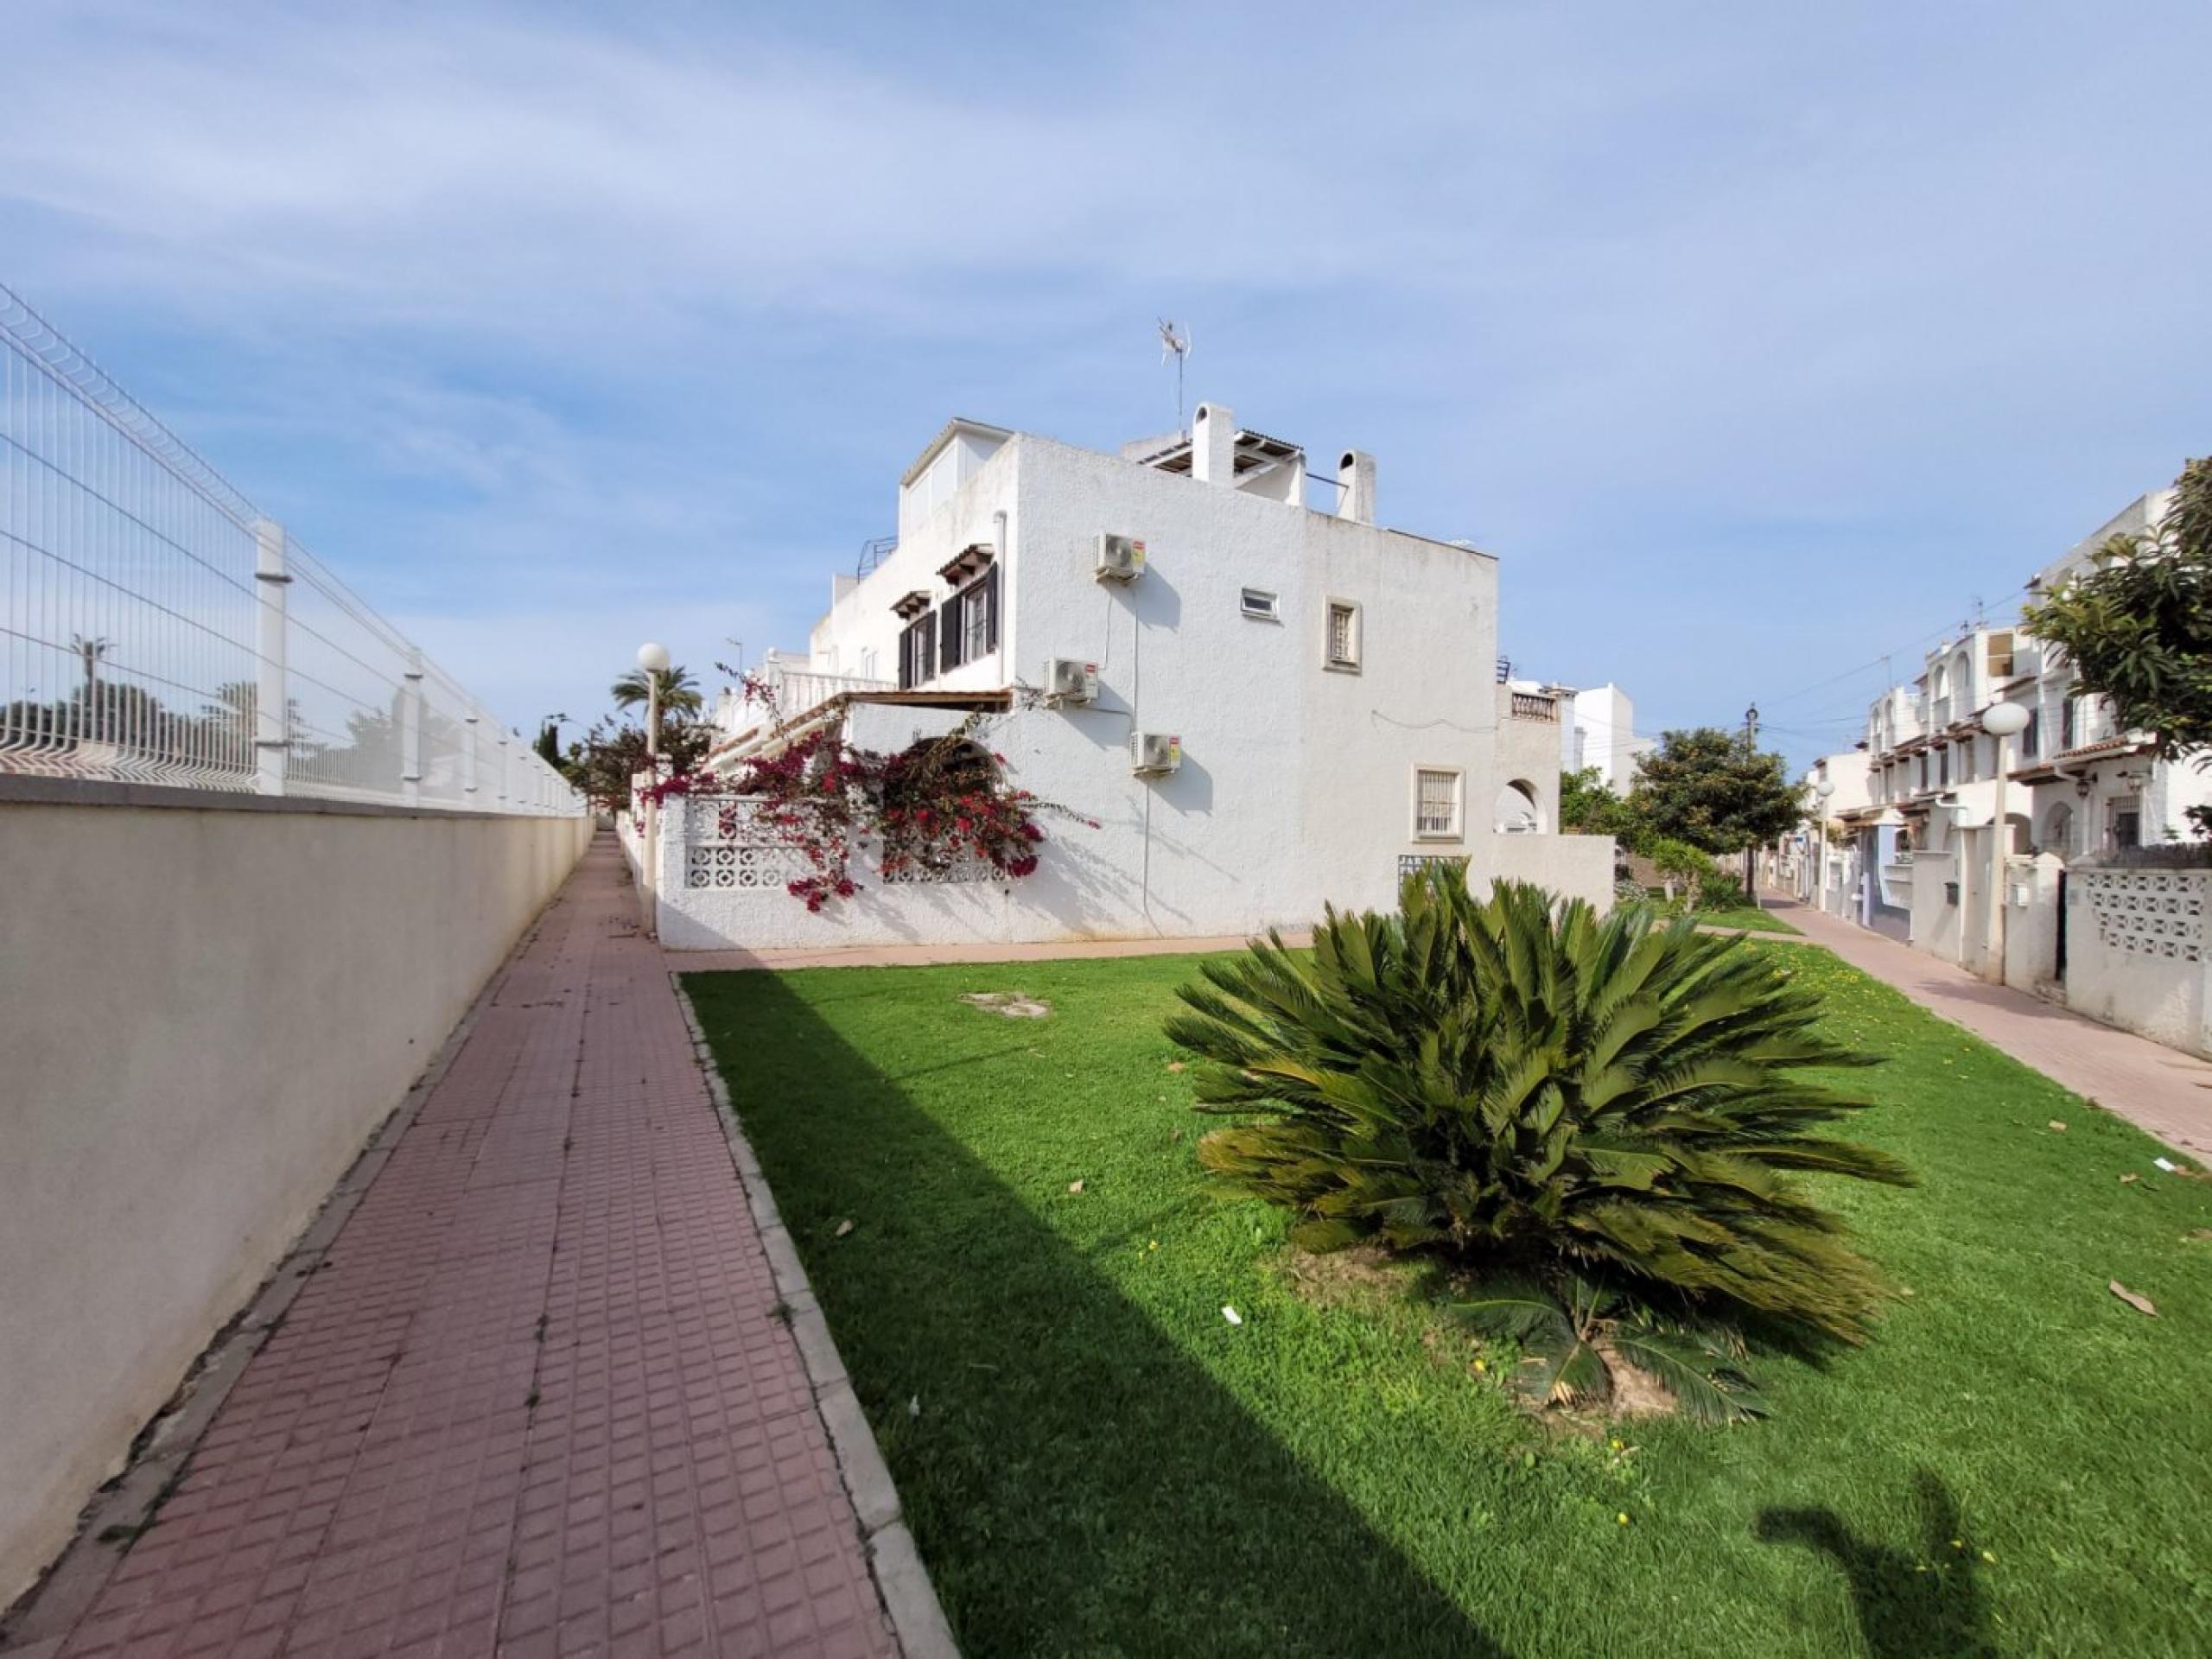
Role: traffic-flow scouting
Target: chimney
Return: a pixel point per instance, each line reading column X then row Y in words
column 1355, row 497
column 1213, row 445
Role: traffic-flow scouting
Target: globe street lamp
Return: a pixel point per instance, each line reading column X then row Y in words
column 652, row 656
column 2000, row 720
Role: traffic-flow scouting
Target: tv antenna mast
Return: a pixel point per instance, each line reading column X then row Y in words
column 1177, row 344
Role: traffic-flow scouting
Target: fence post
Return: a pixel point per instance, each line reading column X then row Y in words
column 469, row 756
column 272, row 724
column 410, row 730
column 506, row 769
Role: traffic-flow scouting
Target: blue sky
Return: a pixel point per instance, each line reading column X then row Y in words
column 1756, row 341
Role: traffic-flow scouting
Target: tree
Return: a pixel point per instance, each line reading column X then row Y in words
column 2137, row 625
column 1587, row 806
column 1715, row 790
column 679, row 692
column 602, row 764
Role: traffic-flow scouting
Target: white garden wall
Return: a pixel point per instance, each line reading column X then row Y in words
column 209, row 1010
column 2135, row 951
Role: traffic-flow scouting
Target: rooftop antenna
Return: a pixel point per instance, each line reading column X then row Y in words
column 1177, row 344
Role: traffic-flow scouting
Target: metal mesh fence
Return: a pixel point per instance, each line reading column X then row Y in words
column 160, row 630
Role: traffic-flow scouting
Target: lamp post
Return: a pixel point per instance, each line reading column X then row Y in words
column 1822, row 791
column 2000, row 720
column 652, row 656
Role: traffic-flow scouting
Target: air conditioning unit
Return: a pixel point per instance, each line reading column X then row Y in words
column 1120, row 558
column 1153, row 753
column 1067, row 680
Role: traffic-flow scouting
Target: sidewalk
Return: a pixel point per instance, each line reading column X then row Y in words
column 2163, row 1090
column 537, row 1398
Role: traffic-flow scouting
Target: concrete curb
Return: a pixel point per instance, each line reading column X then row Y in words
column 918, row 1621
column 44, row 1615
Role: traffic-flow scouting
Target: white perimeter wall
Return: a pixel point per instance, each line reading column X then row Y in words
column 208, row 1012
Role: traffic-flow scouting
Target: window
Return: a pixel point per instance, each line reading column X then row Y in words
column 2001, row 656
column 1436, row 804
column 1260, row 604
column 2031, row 735
column 1943, row 767
column 2126, row 825
column 2066, row 723
column 968, row 629
column 918, row 652
column 1969, row 759
column 1342, row 643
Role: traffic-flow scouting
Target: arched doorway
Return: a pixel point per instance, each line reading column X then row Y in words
column 1517, row 812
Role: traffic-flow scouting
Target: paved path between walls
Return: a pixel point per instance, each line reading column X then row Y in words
column 2163, row 1090
column 539, row 1398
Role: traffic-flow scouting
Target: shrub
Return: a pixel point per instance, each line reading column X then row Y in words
column 1603, row 1118
column 1719, row 889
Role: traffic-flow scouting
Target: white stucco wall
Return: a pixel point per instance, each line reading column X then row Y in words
column 207, row 1013
column 2130, row 935
column 1573, row 867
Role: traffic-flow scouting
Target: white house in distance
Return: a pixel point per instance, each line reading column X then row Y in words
column 1599, row 731
column 2090, row 912
column 1265, row 707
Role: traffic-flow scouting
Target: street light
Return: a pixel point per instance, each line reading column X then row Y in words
column 652, row 656
column 1822, row 791
column 2000, row 720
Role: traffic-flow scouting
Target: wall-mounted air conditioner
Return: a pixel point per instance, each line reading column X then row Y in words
column 1068, row 680
column 1153, row 752
column 1120, row 558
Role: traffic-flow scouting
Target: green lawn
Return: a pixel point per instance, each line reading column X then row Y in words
column 1748, row 917
column 1095, row 1462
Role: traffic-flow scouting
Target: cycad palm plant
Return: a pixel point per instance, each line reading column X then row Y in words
column 1612, row 1113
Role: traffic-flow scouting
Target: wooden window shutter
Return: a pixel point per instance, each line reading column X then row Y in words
column 991, row 605
column 947, row 618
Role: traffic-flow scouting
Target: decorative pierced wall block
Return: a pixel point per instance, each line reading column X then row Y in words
column 726, row 846
column 968, row 868
column 2146, row 912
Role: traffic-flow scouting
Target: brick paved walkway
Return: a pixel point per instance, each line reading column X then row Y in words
column 2165, row 1091
column 536, row 1401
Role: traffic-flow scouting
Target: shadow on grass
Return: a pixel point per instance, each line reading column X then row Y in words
column 1910, row 1603
column 1076, row 1483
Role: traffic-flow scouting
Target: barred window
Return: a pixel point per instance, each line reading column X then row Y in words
column 1436, row 804
column 1344, row 635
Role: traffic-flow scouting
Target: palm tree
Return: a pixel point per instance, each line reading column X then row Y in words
column 679, row 692
column 1604, row 1118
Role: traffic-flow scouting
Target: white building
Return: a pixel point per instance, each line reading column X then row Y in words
column 2086, row 914
column 1320, row 696
column 1599, row 731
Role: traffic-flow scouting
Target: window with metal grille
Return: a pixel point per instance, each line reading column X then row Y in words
column 1344, row 635
column 1436, row 804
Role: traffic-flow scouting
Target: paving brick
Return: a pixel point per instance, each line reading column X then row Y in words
column 533, row 1399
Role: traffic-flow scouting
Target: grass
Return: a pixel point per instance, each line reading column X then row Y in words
column 1748, row 917
column 1095, row 1462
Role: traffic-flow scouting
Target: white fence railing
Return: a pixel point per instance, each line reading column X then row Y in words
column 159, row 629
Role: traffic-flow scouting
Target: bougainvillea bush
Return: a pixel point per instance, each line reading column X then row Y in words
column 930, row 809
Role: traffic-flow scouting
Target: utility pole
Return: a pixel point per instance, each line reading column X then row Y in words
column 1750, row 748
